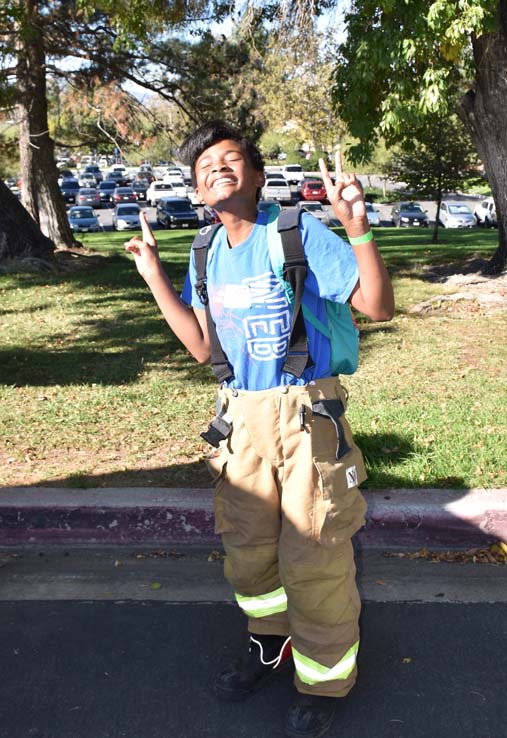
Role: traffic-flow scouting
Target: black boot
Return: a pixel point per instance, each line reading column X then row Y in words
column 310, row 716
column 268, row 655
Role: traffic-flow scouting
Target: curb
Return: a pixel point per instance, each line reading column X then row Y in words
column 169, row 516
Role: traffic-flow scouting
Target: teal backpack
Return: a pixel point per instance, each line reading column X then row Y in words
column 290, row 266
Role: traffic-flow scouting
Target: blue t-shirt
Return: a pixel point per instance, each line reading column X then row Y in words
column 251, row 311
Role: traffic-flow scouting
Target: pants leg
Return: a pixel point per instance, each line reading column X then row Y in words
column 247, row 514
column 321, row 510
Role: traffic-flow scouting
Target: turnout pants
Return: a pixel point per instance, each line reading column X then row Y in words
column 287, row 505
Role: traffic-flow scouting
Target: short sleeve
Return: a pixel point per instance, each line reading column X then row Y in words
column 332, row 266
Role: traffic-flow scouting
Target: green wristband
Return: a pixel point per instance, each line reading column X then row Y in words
column 365, row 238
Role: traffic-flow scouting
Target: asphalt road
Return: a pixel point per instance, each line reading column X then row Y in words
column 103, row 667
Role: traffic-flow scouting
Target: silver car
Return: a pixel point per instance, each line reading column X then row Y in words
column 126, row 217
column 456, row 215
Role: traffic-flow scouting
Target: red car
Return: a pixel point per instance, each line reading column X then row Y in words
column 313, row 189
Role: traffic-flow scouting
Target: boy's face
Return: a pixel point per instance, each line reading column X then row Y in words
column 225, row 174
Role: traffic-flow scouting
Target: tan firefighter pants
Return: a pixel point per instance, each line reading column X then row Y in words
column 286, row 509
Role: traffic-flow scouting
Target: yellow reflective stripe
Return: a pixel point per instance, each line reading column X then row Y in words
column 311, row 672
column 266, row 604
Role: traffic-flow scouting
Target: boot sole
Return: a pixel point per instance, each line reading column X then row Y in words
column 237, row 695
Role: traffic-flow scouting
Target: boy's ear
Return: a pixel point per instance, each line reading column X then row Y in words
column 199, row 196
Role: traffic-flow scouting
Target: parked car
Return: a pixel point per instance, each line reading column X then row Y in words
column 372, row 214
column 65, row 174
column 117, row 177
column 88, row 196
column 293, row 173
column 406, row 214
column 124, row 194
column 140, row 188
column 126, row 217
column 12, row 184
column 276, row 189
column 176, row 212
column 69, row 188
column 210, row 216
column 313, row 189
column 157, row 190
column 456, row 215
column 86, row 179
column 106, row 189
column 485, row 213
column 94, row 170
column 179, row 186
column 266, row 205
column 82, row 219
column 317, row 210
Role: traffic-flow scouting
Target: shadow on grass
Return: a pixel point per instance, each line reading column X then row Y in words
column 380, row 452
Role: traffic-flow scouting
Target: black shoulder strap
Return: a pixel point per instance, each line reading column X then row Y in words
column 219, row 364
column 294, row 271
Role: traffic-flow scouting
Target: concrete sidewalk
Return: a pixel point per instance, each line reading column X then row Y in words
column 169, row 516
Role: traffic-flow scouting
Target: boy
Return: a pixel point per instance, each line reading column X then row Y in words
column 287, row 500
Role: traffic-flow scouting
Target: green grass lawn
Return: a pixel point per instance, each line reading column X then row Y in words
column 95, row 391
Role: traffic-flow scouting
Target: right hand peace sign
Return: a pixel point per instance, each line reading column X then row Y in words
column 144, row 249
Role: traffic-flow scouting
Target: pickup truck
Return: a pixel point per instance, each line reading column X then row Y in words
column 293, row 173
column 277, row 189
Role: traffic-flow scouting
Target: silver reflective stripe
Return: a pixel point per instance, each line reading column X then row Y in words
column 311, row 672
column 262, row 605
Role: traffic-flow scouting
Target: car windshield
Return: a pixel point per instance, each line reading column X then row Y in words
column 293, row 168
column 86, row 191
column 313, row 206
column 167, row 186
column 70, row 185
column 459, row 210
column 369, row 207
column 178, row 207
column 276, row 183
column 411, row 207
column 133, row 210
column 107, row 186
column 314, row 185
column 82, row 213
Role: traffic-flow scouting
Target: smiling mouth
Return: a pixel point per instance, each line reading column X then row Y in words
column 223, row 181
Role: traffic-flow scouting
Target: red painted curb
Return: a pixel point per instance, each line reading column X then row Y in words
column 395, row 517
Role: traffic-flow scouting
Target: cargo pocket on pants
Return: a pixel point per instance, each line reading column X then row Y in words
column 216, row 463
column 339, row 507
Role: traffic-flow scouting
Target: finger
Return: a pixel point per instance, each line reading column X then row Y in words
column 148, row 236
column 132, row 248
column 338, row 165
column 328, row 182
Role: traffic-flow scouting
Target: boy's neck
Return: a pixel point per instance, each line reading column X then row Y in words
column 238, row 227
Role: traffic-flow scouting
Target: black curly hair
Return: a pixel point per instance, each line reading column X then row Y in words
column 210, row 134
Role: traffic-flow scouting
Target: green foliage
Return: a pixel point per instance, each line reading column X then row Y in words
column 402, row 62
column 439, row 159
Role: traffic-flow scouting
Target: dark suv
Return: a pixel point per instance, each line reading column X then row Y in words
column 176, row 212
column 69, row 188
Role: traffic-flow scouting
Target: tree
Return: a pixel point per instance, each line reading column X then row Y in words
column 440, row 159
column 404, row 62
column 109, row 40
column 20, row 236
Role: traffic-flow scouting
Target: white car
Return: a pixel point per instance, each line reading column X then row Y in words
column 485, row 213
column 157, row 190
column 276, row 189
column 456, row 215
column 293, row 173
column 126, row 217
column 179, row 186
column 372, row 214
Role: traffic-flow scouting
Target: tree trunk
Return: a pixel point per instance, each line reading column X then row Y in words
column 40, row 191
column 20, row 236
column 484, row 110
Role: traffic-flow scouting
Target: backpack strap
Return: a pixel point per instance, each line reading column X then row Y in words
column 202, row 241
column 294, row 272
